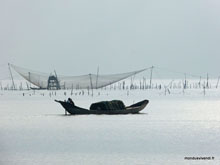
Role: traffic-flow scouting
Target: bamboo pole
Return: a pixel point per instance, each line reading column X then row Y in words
column 185, row 82
column 151, row 74
column 207, row 83
column 97, row 77
column 217, row 82
column 200, row 81
column 13, row 84
column 90, row 76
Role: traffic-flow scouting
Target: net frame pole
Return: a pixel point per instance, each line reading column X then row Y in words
column 13, row 84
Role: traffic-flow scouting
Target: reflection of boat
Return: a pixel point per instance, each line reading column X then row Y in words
column 74, row 110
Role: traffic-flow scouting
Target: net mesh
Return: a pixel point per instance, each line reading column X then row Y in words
column 91, row 81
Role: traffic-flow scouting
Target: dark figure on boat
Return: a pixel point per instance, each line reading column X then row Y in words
column 70, row 101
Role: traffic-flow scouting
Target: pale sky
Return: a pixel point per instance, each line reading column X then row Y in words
column 76, row 36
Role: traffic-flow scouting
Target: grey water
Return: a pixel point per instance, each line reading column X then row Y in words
column 34, row 130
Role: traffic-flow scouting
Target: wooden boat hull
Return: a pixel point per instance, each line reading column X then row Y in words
column 75, row 110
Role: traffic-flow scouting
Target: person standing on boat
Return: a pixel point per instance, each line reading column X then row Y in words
column 70, row 101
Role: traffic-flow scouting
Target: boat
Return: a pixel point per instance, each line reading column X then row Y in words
column 72, row 109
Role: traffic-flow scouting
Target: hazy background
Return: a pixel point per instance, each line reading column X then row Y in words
column 75, row 37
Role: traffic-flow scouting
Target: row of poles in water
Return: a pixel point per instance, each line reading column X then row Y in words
column 133, row 84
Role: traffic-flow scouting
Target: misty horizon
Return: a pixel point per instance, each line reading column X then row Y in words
column 76, row 37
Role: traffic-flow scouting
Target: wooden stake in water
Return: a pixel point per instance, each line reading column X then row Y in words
column 97, row 76
column 131, row 84
column 200, row 81
column 1, row 85
column 151, row 74
column 207, row 83
column 185, row 82
column 217, row 82
column 91, row 82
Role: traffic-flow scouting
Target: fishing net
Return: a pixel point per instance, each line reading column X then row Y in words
column 108, row 105
column 89, row 81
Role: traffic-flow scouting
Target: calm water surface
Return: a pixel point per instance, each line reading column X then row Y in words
column 33, row 130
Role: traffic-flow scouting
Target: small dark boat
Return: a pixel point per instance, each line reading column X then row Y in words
column 71, row 108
